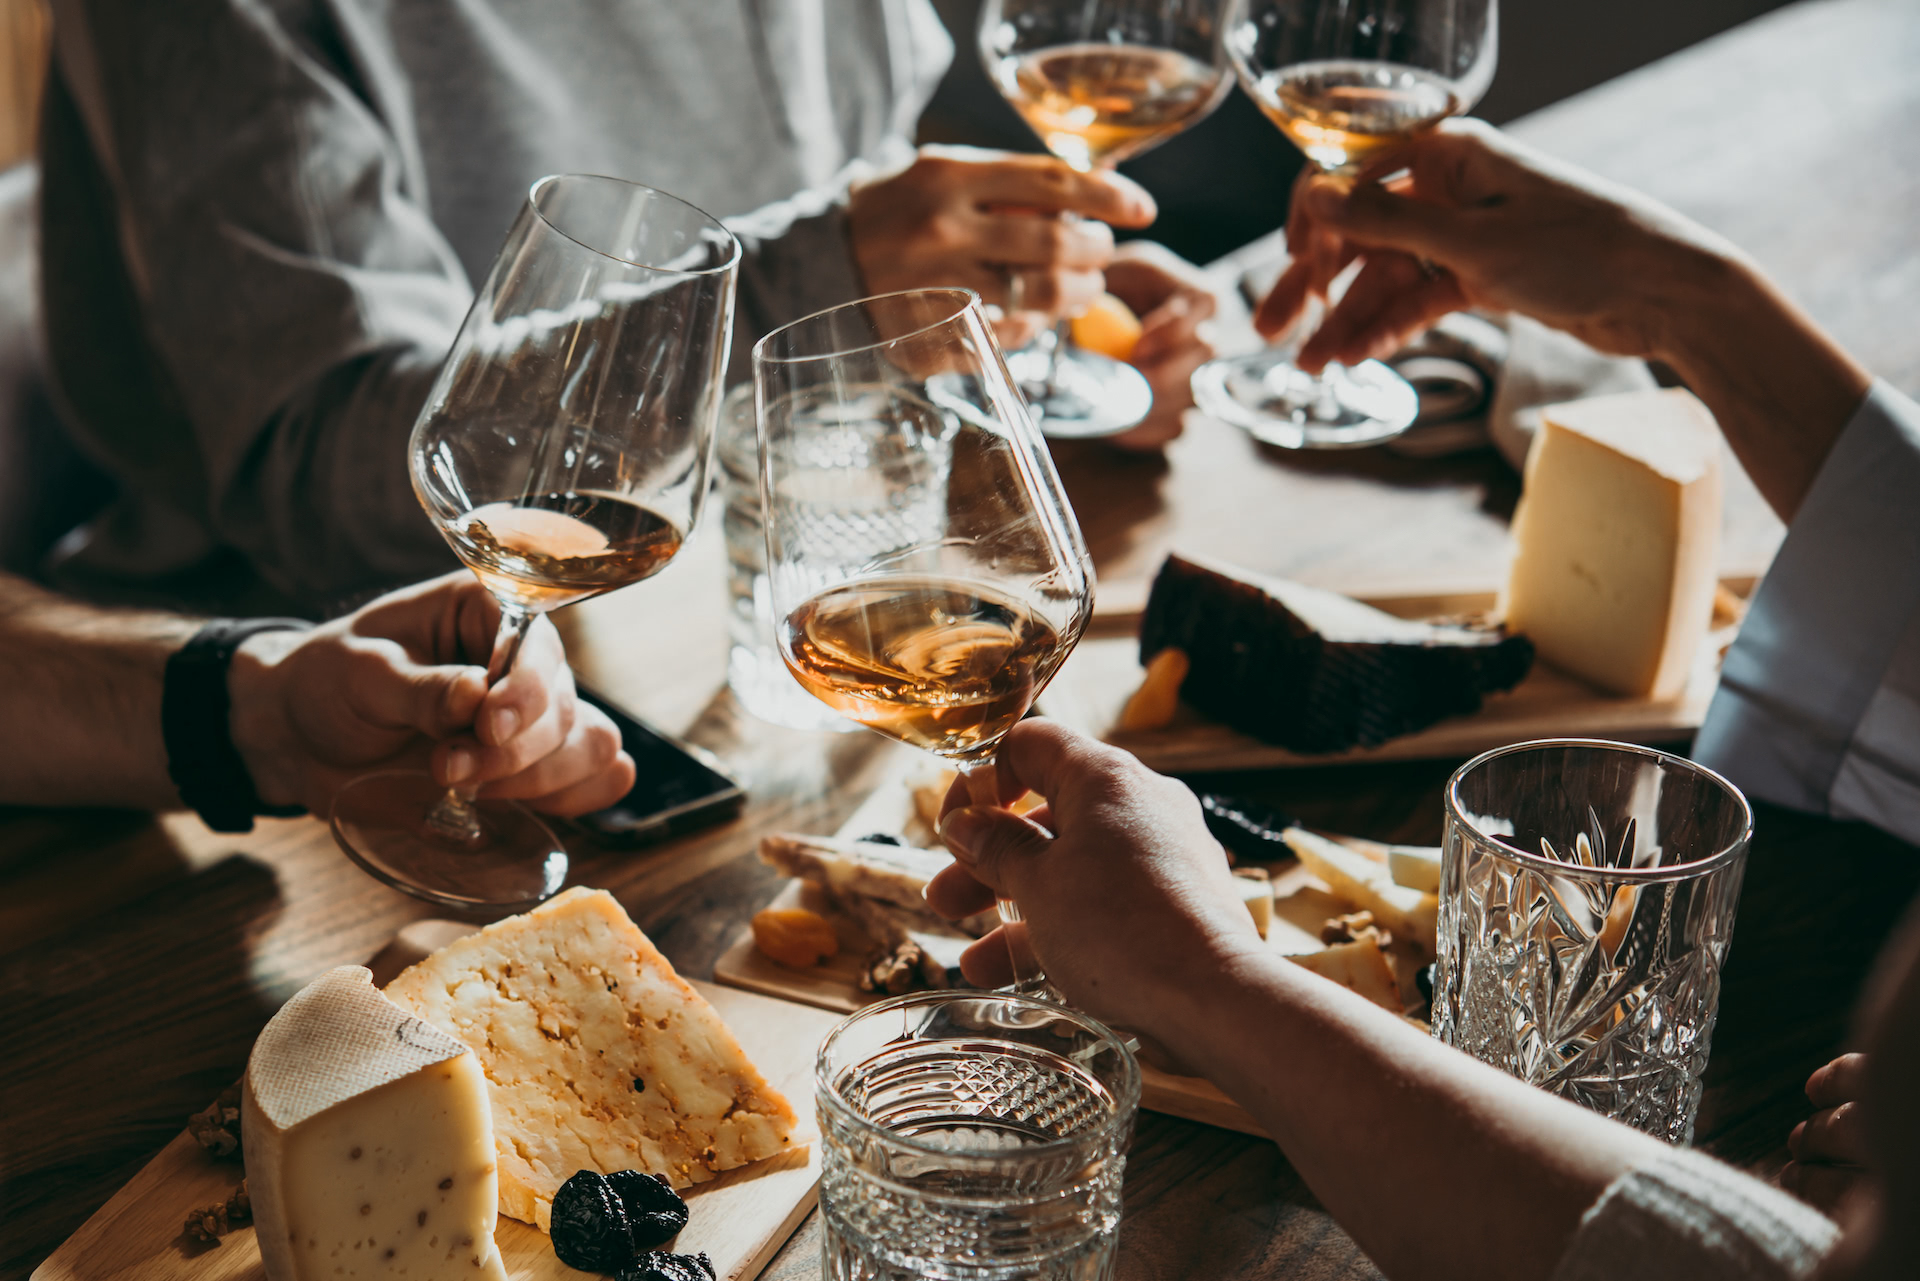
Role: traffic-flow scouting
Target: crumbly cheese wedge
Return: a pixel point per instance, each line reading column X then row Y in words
column 1404, row 913
column 368, row 1141
column 1616, row 540
column 598, row 1056
column 852, row 871
column 1359, row 966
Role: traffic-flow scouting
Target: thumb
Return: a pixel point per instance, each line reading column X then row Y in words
column 995, row 845
column 434, row 701
column 1371, row 216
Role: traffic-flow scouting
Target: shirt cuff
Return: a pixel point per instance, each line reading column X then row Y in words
column 1828, row 618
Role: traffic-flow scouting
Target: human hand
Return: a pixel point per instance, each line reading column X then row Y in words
column 1173, row 299
column 1480, row 221
column 961, row 216
column 402, row 682
column 1118, row 855
column 1830, row 1148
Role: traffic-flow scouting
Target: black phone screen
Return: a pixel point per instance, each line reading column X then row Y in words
column 676, row 786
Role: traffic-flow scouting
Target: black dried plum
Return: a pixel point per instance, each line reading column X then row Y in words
column 669, row 1267
column 881, row 838
column 655, row 1212
column 590, row 1229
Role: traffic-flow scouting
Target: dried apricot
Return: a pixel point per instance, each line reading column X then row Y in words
column 1107, row 326
column 794, row 936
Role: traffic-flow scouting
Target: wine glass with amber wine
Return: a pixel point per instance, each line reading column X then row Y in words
column 562, row 453
column 1349, row 82
column 926, row 569
column 1100, row 81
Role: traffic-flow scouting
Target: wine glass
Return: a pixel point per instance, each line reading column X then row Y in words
column 562, row 453
column 1347, row 81
column 1100, row 81
column 927, row 573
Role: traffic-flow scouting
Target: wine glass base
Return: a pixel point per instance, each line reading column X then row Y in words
column 1344, row 407
column 1087, row 396
column 513, row 863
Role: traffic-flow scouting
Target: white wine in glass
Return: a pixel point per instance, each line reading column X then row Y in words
column 926, row 567
column 1099, row 81
column 563, row 453
column 1349, row 82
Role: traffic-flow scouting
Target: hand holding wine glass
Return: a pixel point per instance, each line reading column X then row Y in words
column 925, row 565
column 563, row 453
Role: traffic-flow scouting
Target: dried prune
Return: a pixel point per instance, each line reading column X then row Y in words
column 590, row 1230
column 669, row 1267
column 655, row 1212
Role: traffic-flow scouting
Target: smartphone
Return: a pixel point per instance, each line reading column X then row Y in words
column 677, row 786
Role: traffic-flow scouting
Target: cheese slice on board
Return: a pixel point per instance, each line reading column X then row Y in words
column 368, row 1141
column 1617, row 540
column 597, row 1055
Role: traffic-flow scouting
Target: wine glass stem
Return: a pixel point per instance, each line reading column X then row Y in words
column 1028, row 978
column 455, row 816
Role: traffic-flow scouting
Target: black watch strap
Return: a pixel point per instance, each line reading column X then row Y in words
column 196, row 723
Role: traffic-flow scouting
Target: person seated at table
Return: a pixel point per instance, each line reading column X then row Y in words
column 1818, row 707
column 261, row 224
column 1438, row 1165
column 143, row 709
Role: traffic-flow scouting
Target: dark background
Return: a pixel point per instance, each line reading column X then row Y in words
column 1226, row 181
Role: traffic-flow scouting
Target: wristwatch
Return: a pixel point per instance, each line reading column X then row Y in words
column 197, row 727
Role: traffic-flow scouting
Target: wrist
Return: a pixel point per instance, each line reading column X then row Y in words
column 1189, row 1002
column 258, row 721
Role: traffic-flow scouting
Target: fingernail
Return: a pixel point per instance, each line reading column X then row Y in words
column 460, row 764
column 957, row 831
column 506, row 723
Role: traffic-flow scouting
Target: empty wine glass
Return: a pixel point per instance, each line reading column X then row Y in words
column 927, row 574
column 1347, row 81
column 1100, row 81
column 563, row 452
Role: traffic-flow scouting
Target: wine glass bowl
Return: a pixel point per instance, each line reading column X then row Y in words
column 563, row 452
column 1348, row 82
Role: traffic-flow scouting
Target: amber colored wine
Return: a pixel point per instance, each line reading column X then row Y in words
column 1099, row 104
column 554, row 549
column 940, row 664
column 1343, row 114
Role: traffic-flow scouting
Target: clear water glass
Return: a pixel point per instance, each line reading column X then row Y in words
column 973, row 1135
column 1587, row 895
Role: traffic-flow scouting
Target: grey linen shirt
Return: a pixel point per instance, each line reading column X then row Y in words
column 262, row 219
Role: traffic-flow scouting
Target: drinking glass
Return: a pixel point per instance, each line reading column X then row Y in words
column 1587, row 894
column 1100, row 81
column 1347, row 81
column 972, row 1135
column 927, row 574
column 562, row 453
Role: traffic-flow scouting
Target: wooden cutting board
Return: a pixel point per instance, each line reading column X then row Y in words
column 739, row 1219
column 1095, row 682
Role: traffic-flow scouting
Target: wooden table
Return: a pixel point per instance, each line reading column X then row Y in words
column 139, row 957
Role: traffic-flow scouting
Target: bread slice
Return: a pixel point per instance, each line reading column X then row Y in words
column 598, row 1056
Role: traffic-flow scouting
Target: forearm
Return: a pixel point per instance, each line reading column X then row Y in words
column 1425, row 1156
column 1780, row 387
column 81, row 718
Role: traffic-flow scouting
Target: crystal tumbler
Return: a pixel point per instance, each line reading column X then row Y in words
column 1587, row 894
column 972, row 1135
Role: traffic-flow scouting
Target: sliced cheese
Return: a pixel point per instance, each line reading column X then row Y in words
column 1404, row 913
column 368, row 1141
column 1616, row 540
column 1359, row 966
column 597, row 1055
column 1415, row 866
column 1256, row 891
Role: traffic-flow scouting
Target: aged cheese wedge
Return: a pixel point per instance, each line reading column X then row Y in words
column 882, row 886
column 368, row 1141
column 1404, row 913
column 1312, row 670
column 1415, row 866
column 1359, row 966
column 597, row 1055
column 1256, row 891
column 1616, row 540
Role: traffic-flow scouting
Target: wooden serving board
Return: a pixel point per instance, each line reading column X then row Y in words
column 739, row 1219
column 1301, row 904
column 1103, row 672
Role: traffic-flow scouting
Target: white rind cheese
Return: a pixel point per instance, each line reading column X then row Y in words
column 1617, row 540
column 368, row 1141
column 597, row 1055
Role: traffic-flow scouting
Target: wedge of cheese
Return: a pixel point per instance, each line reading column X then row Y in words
column 1359, row 966
column 597, row 1055
column 368, row 1140
column 1616, row 540
column 1407, row 914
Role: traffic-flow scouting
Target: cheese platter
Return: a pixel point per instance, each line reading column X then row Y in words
column 738, row 1218
column 1297, row 906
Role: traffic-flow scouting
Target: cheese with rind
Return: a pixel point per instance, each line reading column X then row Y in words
column 597, row 1055
column 368, row 1141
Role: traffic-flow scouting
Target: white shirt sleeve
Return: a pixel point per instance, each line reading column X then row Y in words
column 1819, row 700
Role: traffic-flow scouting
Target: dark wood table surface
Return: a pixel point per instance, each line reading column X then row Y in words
column 139, row 956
